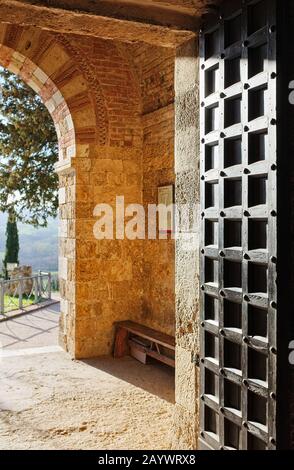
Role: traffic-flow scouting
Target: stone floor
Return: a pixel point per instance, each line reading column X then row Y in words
column 48, row 401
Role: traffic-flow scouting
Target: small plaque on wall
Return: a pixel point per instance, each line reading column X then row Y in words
column 165, row 209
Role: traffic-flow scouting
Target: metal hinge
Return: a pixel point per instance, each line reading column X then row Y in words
column 195, row 359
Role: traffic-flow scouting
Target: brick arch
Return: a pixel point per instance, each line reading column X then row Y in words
column 67, row 76
column 94, row 82
column 125, row 53
column 114, row 88
column 84, row 65
column 51, row 96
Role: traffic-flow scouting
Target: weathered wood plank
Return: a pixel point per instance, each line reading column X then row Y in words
column 148, row 333
column 121, row 348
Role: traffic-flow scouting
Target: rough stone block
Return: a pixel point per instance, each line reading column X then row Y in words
column 185, row 430
column 186, row 380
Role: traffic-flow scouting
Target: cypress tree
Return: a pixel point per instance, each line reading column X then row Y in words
column 12, row 240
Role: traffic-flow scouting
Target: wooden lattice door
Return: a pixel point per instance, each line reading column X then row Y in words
column 238, row 228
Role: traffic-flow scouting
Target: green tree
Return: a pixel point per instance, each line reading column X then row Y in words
column 12, row 241
column 28, row 152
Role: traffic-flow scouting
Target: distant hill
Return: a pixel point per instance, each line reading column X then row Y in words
column 38, row 247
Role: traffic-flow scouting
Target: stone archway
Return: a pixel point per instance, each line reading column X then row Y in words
column 51, row 96
column 113, row 108
column 35, row 77
column 43, row 63
column 95, row 104
column 122, row 102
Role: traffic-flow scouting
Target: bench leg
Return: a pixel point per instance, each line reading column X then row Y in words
column 121, row 347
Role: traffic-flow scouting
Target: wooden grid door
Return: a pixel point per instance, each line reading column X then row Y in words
column 238, row 228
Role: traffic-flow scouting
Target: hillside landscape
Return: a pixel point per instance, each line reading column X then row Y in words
column 38, row 247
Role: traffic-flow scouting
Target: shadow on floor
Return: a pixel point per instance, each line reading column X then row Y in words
column 40, row 329
column 34, row 329
column 149, row 377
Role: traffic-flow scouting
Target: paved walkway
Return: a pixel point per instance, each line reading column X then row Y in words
column 35, row 329
column 48, row 401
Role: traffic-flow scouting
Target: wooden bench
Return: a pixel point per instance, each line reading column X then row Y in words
column 140, row 342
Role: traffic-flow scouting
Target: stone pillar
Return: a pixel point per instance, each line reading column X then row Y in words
column 187, row 246
column 67, row 255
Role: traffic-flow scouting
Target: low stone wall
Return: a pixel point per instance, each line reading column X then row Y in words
column 21, row 272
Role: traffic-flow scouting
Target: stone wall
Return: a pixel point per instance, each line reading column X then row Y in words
column 112, row 106
column 94, row 102
column 155, row 68
column 159, row 255
column 187, row 248
column 108, row 272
